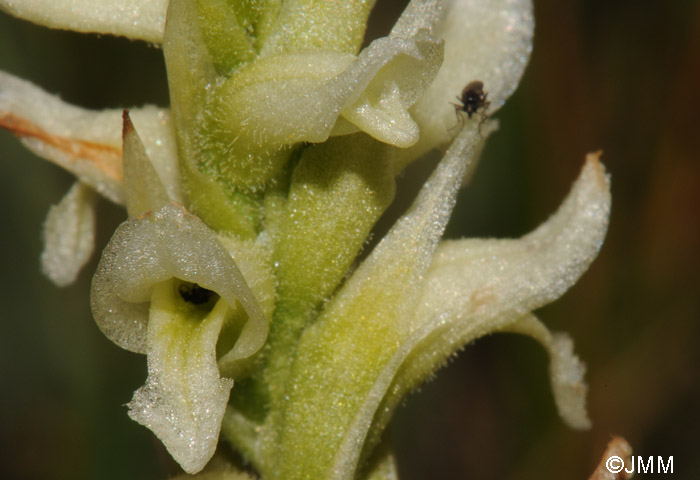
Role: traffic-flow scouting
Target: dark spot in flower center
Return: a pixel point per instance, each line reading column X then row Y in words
column 193, row 293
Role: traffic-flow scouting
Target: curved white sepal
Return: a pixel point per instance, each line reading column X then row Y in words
column 475, row 287
column 479, row 279
column 87, row 143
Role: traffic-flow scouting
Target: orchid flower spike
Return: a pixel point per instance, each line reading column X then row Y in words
column 250, row 199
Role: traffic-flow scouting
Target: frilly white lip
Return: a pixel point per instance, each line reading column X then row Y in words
column 184, row 398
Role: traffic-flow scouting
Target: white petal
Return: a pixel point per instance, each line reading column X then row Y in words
column 184, row 398
column 486, row 40
column 69, row 235
column 87, row 143
column 171, row 243
column 137, row 19
column 566, row 371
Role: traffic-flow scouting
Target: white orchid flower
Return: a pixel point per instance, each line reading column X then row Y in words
column 165, row 286
column 249, row 201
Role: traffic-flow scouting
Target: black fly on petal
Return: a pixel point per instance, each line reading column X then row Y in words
column 472, row 99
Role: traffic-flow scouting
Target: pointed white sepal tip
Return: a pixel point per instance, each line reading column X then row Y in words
column 144, row 189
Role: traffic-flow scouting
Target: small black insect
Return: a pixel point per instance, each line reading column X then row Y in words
column 193, row 293
column 472, row 99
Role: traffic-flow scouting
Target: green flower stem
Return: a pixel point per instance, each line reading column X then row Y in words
column 338, row 192
column 336, row 368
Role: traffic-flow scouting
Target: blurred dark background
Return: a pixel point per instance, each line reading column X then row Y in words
column 622, row 76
